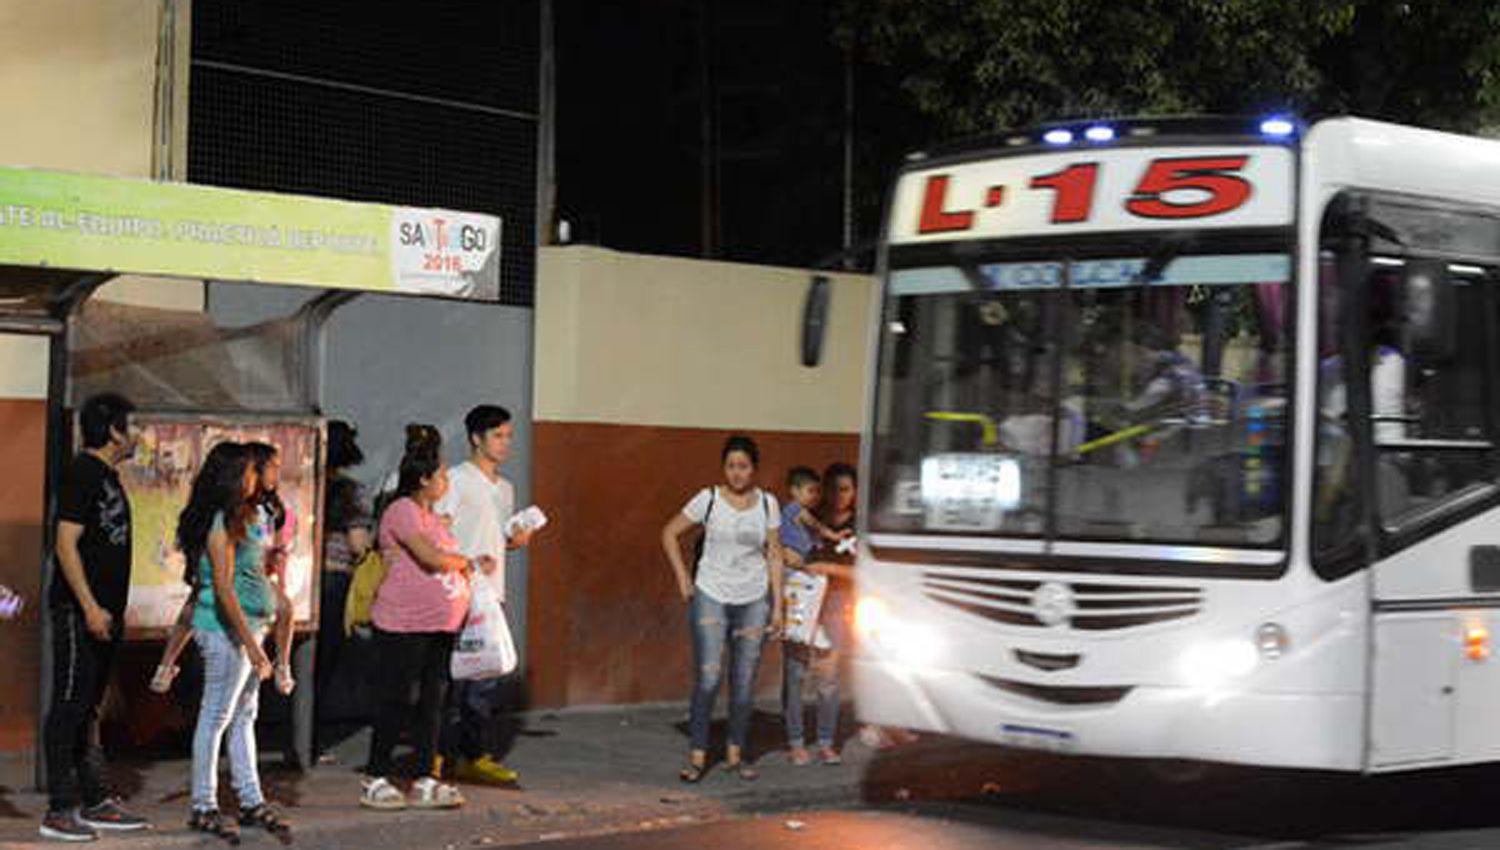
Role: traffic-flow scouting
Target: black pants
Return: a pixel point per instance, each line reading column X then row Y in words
column 409, row 661
column 470, row 719
column 331, row 639
column 81, row 667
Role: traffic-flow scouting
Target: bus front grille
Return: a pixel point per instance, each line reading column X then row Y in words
column 1087, row 606
column 1059, row 694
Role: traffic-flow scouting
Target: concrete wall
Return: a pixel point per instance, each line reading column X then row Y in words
column 79, row 90
column 644, row 365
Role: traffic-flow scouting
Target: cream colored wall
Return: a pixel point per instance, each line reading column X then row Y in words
column 642, row 340
column 78, row 84
column 78, row 88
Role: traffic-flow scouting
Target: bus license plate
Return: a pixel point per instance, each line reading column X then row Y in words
column 1036, row 737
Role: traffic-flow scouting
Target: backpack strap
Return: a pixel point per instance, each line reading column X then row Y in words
column 713, row 495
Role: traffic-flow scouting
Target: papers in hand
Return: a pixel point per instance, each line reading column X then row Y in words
column 528, row 519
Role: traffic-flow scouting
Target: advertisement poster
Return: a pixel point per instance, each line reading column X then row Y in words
column 157, row 480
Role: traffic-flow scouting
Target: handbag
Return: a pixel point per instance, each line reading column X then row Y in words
column 484, row 649
column 369, row 574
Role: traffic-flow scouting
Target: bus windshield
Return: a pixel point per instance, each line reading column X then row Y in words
column 1140, row 397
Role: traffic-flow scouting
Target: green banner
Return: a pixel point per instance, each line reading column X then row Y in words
column 110, row 224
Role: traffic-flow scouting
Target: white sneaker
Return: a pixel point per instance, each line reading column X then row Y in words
column 379, row 793
column 428, row 793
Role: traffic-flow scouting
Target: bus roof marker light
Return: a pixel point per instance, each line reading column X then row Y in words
column 1099, row 133
column 1277, row 127
column 1058, row 137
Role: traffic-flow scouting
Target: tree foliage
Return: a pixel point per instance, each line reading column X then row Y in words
column 974, row 66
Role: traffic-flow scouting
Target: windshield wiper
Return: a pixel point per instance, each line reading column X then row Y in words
column 1167, row 251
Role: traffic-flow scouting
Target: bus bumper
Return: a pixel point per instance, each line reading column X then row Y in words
column 1315, row 731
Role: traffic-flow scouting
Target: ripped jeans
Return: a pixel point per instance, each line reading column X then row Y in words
column 743, row 627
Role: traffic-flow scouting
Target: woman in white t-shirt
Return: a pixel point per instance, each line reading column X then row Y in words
column 734, row 599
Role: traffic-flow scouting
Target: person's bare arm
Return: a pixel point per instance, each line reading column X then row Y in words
column 430, row 558
column 817, row 527
column 773, row 562
column 359, row 541
column 182, row 632
column 98, row 621
column 831, row 569
column 221, row 556
column 670, row 534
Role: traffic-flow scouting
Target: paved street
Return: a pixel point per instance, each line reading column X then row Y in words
column 607, row 780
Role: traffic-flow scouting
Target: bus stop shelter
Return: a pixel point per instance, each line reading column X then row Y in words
column 62, row 236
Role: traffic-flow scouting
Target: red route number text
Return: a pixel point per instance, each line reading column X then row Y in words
column 1216, row 188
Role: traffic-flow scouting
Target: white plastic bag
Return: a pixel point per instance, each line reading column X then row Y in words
column 484, row 649
column 803, row 593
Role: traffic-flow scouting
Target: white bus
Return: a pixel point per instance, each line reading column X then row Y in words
column 1182, row 445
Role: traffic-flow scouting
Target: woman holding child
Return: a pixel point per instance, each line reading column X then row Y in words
column 814, row 549
column 733, row 591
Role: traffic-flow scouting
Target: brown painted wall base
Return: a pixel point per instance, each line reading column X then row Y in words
column 606, row 623
column 22, row 459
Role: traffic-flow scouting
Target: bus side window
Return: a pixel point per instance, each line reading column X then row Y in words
column 1431, row 386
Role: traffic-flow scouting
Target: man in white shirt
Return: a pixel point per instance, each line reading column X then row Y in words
column 479, row 502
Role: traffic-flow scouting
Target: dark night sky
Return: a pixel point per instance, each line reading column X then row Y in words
column 629, row 113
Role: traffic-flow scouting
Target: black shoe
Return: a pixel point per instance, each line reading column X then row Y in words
column 111, row 816
column 66, row 826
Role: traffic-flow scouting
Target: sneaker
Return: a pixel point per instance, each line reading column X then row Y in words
column 428, row 793
column 829, row 756
column 66, row 826
column 379, row 793
column 799, row 756
column 111, row 816
column 485, row 771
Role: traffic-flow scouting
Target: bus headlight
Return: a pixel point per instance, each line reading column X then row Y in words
column 890, row 638
column 1211, row 665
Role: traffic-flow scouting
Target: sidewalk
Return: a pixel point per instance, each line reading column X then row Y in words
column 583, row 773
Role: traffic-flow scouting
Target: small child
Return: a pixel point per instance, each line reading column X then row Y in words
column 801, row 530
column 801, row 534
column 281, row 524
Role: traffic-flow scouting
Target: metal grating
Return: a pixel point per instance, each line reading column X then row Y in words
column 417, row 108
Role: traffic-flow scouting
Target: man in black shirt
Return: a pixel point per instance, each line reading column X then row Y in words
column 88, row 599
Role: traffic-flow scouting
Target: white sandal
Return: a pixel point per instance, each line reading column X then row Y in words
column 428, row 793
column 285, row 684
column 379, row 793
column 161, row 681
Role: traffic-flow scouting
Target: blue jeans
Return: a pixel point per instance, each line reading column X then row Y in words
column 743, row 628
column 798, row 659
column 231, row 701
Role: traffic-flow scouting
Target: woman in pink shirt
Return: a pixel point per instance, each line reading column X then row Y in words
column 417, row 612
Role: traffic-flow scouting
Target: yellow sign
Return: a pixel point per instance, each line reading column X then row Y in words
column 110, row 224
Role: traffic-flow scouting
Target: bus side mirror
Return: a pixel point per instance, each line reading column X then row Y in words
column 815, row 319
column 1428, row 309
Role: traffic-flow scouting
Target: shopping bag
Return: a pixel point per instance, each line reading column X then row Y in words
column 369, row 574
column 803, row 594
column 484, row 649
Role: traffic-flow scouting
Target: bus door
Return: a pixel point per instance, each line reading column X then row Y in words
column 1418, row 332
